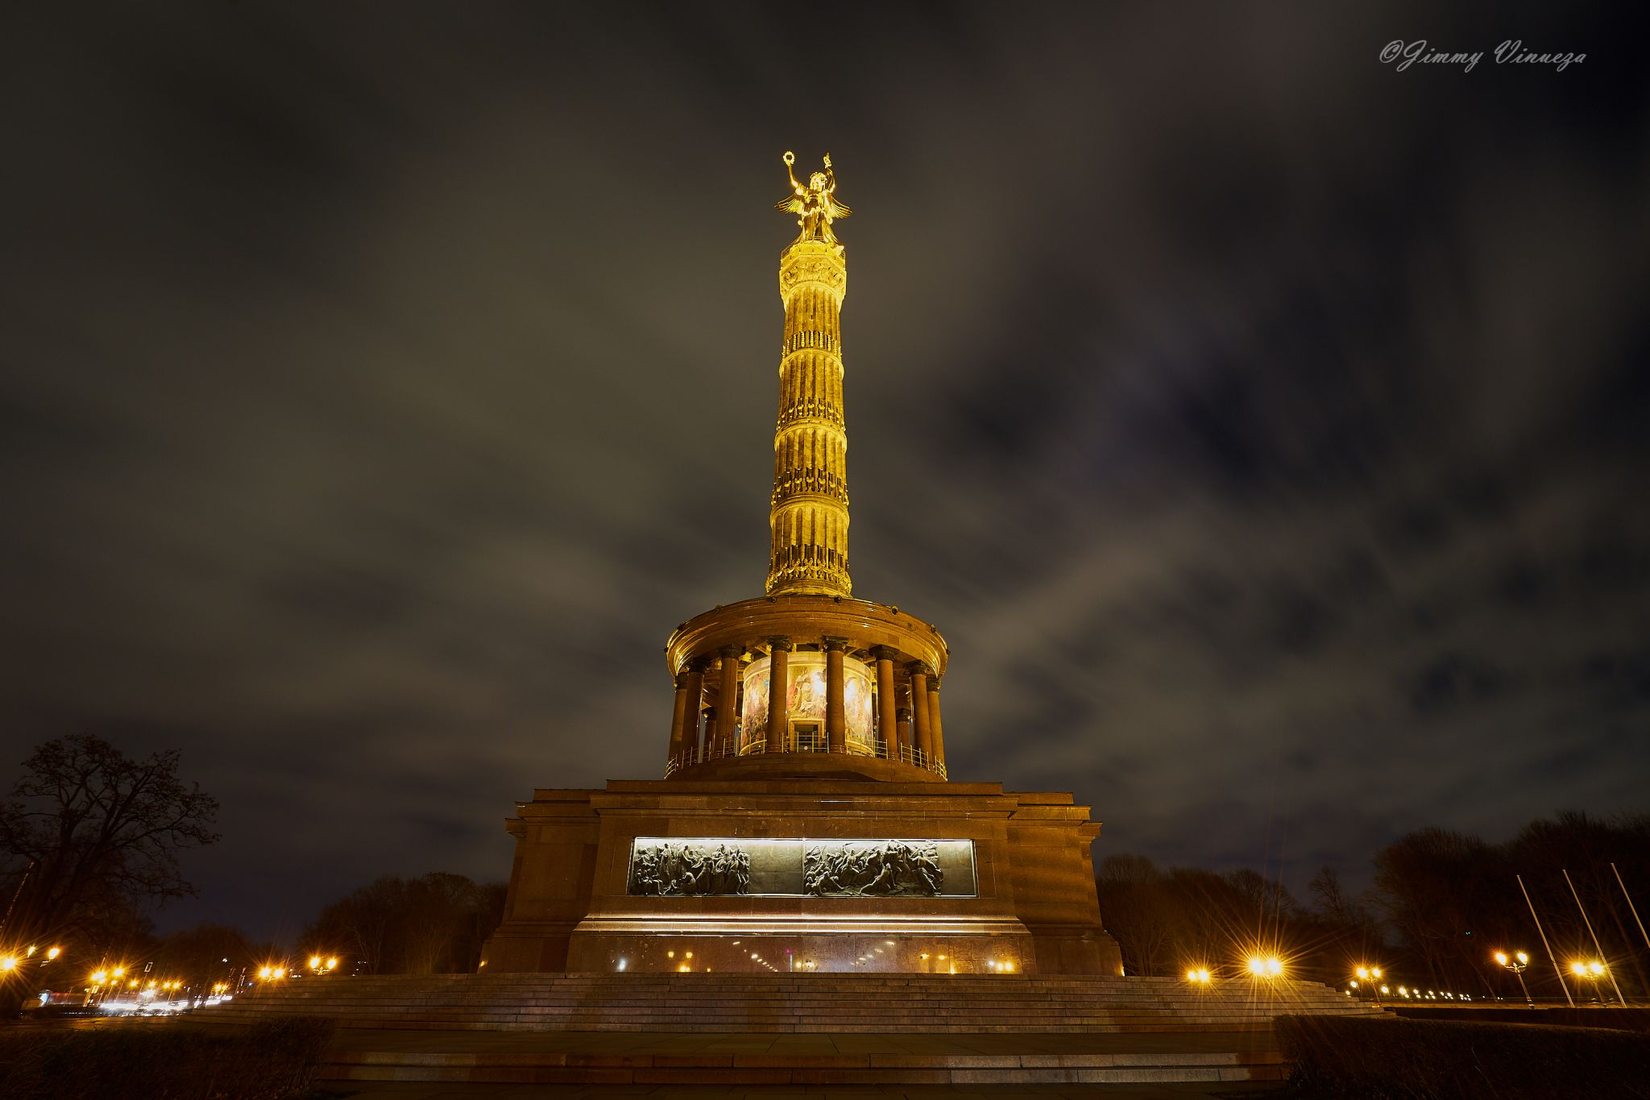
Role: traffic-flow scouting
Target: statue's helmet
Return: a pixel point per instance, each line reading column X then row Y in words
column 817, row 181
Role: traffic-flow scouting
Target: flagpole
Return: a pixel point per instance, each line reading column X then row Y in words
column 1562, row 984
column 1631, row 907
column 1610, row 970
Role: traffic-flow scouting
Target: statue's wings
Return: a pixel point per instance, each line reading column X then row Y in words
column 790, row 204
column 840, row 209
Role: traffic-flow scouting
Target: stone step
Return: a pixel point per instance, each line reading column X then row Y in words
column 796, row 1003
column 1243, row 1063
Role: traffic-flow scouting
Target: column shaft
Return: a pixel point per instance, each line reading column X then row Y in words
column 885, row 702
column 836, row 721
column 935, row 730
column 678, row 715
column 694, row 704
column 709, row 729
column 919, row 712
column 779, row 701
column 727, row 707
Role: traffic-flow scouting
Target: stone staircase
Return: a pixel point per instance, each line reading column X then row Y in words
column 787, row 1003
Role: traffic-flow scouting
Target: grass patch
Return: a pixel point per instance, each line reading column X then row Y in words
column 1396, row 1059
column 272, row 1060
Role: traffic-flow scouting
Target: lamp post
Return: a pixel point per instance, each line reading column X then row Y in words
column 1372, row 975
column 1516, row 963
column 1590, row 971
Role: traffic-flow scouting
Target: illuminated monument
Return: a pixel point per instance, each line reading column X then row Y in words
column 805, row 821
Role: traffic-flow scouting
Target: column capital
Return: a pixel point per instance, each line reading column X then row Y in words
column 902, row 714
column 734, row 651
column 933, row 683
column 833, row 644
column 697, row 664
column 917, row 668
column 780, row 641
column 885, row 653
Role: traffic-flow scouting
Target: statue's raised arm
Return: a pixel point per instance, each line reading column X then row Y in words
column 815, row 204
column 796, row 188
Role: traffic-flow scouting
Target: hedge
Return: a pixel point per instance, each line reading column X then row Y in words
column 272, row 1060
column 1396, row 1059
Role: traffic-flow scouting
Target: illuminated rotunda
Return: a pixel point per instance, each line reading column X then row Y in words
column 806, row 820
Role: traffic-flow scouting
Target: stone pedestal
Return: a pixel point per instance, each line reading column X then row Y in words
column 1026, row 904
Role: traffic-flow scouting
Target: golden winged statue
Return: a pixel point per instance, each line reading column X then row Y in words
column 815, row 205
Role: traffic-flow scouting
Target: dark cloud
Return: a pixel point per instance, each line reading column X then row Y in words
column 1265, row 428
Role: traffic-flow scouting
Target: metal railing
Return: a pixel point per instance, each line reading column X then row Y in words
column 756, row 746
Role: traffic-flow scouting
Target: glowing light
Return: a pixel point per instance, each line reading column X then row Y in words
column 1501, row 957
column 1265, row 966
column 99, row 977
column 54, row 952
column 1198, row 975
column 8, row 963
column 332, row 963
column 119, row 972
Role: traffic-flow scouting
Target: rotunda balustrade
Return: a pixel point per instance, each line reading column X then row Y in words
column 773, row 685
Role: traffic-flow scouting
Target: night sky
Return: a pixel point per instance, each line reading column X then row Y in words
column 1266, row 428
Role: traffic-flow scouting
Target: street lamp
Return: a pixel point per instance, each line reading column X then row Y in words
column 1516, row 963
column 1371, row 975
column 1265, row 966
column 1590, row 971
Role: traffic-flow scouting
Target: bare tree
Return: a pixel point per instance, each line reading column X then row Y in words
column 88, row 830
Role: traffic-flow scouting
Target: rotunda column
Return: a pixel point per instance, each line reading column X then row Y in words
column 727, row 707
column 836, row 720
column 886, row 720
column 693, row 701
column 709, row 731
column 935, row 730
column 919, row 710
column 678, row 715
column 903, row 728
column 779, row 663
